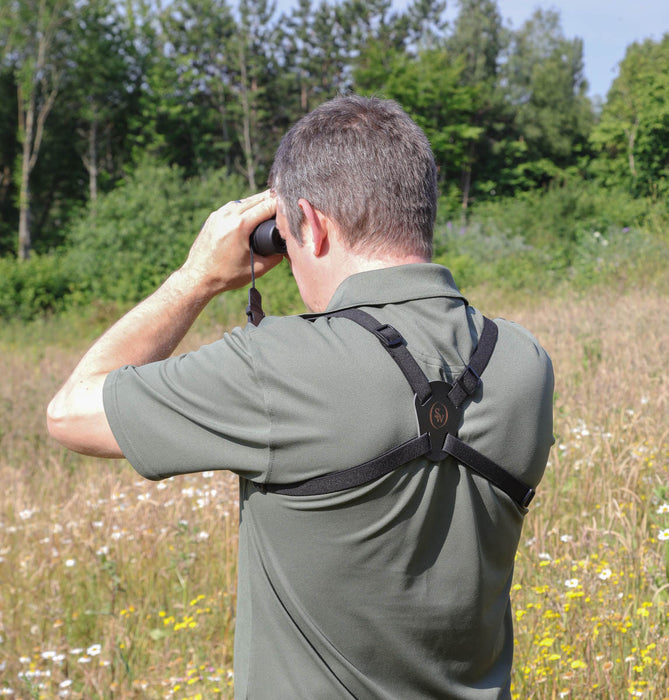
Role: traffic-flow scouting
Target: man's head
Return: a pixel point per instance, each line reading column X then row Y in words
column 366, row 165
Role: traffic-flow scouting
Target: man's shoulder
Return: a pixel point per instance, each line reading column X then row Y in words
column 516, row 339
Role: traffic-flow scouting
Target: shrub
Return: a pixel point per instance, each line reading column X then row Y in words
column 576, row 232
column 34, row 287
column 139, row 233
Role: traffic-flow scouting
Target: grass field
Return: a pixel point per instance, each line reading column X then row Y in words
column 115, row 587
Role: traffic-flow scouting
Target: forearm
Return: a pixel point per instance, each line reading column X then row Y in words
column 150, row 331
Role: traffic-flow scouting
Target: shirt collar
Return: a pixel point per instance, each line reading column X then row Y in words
column 393, row 285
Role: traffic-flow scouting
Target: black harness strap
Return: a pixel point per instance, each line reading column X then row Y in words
column 520, row 492
column 396, row 347
column 430, row 398
column 358, row 475
column 468, row 382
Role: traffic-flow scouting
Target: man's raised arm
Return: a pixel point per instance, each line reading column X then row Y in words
column 218, row 261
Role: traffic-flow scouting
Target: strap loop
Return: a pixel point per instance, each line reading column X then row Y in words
column 389, row 336
column 465, row 385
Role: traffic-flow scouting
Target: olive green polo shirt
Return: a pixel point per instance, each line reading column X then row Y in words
column 395, row 589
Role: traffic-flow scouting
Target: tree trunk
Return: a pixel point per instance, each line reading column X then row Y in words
column 304, row 96
column 466, row 186
column 31, row 131
column 5, row 179
column 41, row 87
column 246, row 122
column 467, row 177
column 631, row 138
column 91, row 161
column 25, row 242
column 26, row 122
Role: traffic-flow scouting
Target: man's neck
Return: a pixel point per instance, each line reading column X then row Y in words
column 353, row 263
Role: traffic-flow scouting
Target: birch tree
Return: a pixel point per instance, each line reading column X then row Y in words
column 34, row 39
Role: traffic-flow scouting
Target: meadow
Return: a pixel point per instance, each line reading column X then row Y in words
column 115, row 587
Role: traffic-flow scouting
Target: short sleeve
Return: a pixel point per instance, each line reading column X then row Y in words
column 200, row 411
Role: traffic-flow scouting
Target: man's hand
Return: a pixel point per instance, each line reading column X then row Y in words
column 219, row 260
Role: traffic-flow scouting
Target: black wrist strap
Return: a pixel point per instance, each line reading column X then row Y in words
column 254, row 310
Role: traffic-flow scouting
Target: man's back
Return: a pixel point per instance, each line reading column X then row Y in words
column 394, row 589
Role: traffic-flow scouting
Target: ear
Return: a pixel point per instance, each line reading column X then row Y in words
column 316, row 227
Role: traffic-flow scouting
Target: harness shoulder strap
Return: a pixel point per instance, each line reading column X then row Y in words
column 438, row 406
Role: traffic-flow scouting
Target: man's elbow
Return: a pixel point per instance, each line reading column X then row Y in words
column 59, row 422
column 83, row 431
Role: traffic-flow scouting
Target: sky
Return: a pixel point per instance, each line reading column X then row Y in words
column 607, row 28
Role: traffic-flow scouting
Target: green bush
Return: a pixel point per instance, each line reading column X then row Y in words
column 139, row 233
column 35, row 286
column 575, row 232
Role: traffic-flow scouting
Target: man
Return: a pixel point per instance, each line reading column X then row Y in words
column 397, row 587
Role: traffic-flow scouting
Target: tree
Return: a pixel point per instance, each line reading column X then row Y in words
column 256, row 66
column 478, row 39
column 430, row 88
column 547, row 90
column 8, row 156
column 425, row 24
column 35, row 39
column 314, row 51
column 376, row 37
column 98, row 86
column 197, row 75
column 632, row 137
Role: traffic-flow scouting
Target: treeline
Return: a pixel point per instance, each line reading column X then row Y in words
column 95, row 94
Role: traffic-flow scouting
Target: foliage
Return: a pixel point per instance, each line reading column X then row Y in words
column 99, row 89
column 206, row 85
column 194, row 97
column 576, row 233
column 34, row 287
column 429, row 87
column 140, row 232
column 546, row 92
column 631, row 138
column 34, row 38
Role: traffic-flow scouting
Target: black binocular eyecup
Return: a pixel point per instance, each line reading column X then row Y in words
column 266, row 239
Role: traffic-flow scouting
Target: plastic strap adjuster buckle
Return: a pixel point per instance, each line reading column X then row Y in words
column 527, row 498
column 389, row 336
column 469, row 381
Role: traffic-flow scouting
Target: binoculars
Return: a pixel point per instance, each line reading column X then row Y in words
column 266, row 240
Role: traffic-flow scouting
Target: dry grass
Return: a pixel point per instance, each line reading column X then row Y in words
column 113, row 587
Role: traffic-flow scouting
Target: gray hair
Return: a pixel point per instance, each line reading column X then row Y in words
column 368, row 166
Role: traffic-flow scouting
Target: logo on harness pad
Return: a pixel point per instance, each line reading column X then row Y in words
column 438, row 415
